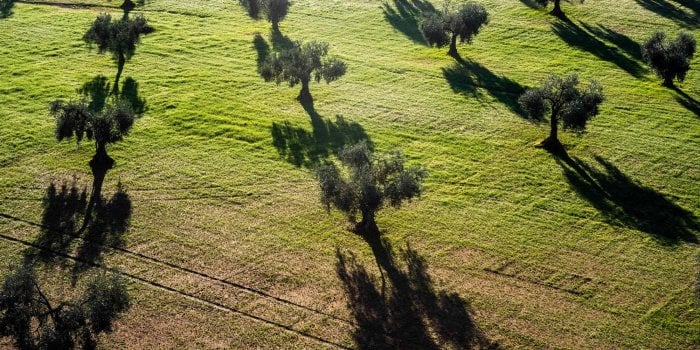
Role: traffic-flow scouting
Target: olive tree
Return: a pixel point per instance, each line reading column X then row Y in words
column 463, row 23
column 35, row 322
column 6, row 8
column 669, row 59
column 556, row 11
column 372, row 181
column 119, row 37
column 301, row 64
column 110, row 125
column 565, row 102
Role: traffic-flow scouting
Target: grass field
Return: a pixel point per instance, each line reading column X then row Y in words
column 228, row 245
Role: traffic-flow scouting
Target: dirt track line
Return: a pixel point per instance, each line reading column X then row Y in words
column 177, row 291
column 197, row 273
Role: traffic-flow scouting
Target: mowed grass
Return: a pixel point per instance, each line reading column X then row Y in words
column 597, row 252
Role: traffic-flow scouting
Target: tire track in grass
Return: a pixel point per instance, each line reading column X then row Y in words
column 148, row 260
column 188, row 295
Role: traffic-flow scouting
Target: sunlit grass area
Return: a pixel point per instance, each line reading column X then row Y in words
column 227, row 243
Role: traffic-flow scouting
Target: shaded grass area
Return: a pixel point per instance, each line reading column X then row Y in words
column 624, row 201
column 590, row 41
column 404, row 310
column 406, row 15
column 683, row 12
column 537, row 253
column 467, row 77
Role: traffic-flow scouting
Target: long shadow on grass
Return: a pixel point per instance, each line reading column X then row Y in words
column 302, row 147
column 576, row 36
column 279, row 42
column 687, row 101
column 692, row 5
column 623, row 42
column 34, row 319
column 97, row 90
column 403, row 309
column 532, row 4
column 671, row 11
column 70, row 226
column 252, row 7
column 405, row 16
column 262, row 48
column 466, row 76
column 623, row 201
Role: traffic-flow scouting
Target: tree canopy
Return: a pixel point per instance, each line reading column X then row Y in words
column 463, row 23
column 566, row 103
column 302, row 63
column 6, row 8
column 669, row 59
column 373, row 181
column 110, row 125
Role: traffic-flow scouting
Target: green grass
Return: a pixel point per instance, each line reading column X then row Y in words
column 543, row 259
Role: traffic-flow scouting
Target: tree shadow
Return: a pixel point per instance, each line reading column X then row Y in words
column 130, row 93
column 262, row 48
column 625, row 202
column 405, row 16
column 692, row 5
column 98, row 90
column 533, row 4
column 34, row 320
column 104, row 222
column 403, row 309
column 106, row 229
column 466, row 76
column 687, row 101
column 577, row 37
column 280, row 42
column 302, row 147
column 6, row 8
column 252, row 7
column 64, row 208
column 623, row 42
column 673, row 12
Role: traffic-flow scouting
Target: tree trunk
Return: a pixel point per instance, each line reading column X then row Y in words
column 305, row 94
column 121, row 61
column 275, row 26
column 368, row 225
column 668, row 82
column 453, row 46
column 554, row 127
column 552, row 142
